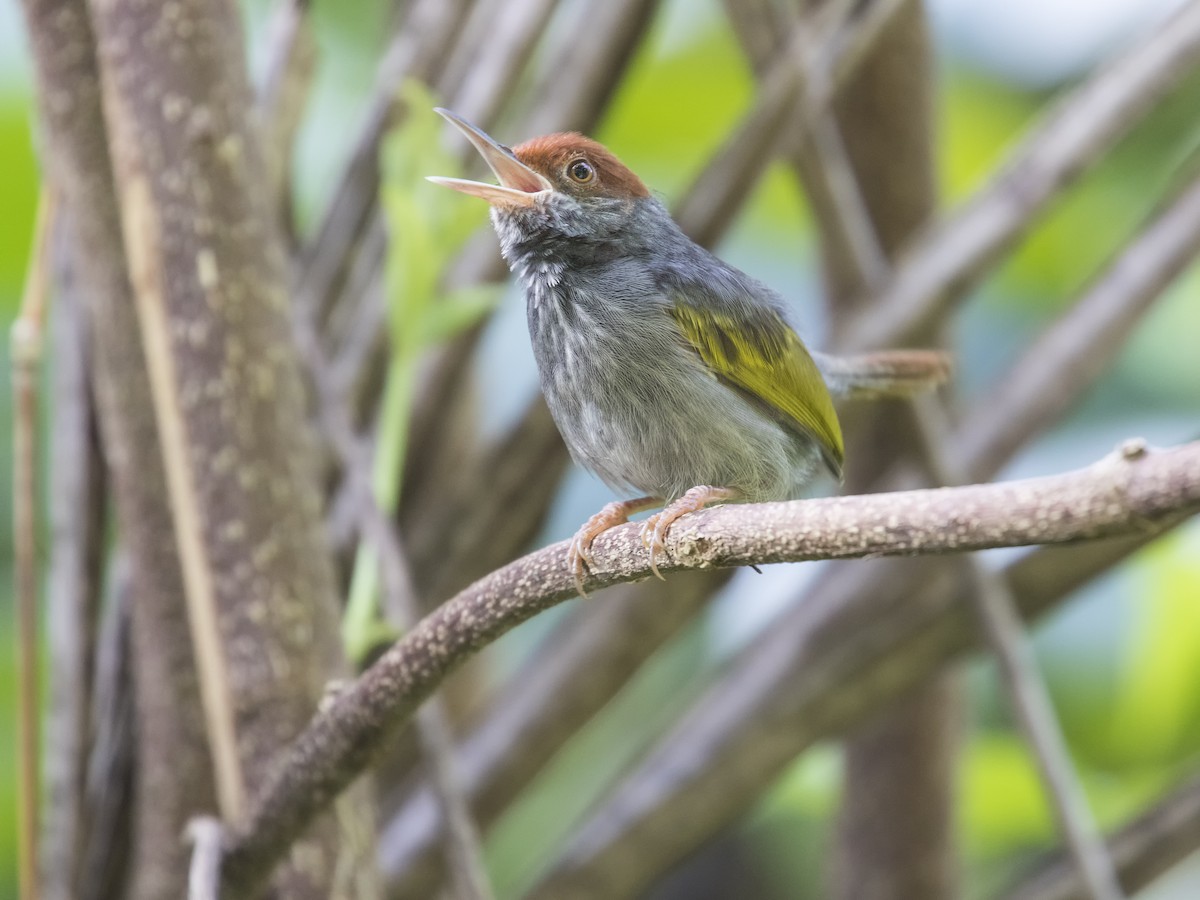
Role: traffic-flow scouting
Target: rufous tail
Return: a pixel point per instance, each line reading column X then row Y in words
column 885, row 373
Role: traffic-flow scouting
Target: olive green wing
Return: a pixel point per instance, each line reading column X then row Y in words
column 756, row 351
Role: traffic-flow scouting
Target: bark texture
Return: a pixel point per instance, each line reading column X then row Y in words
column 1119, row 495
column 896, row 836
column 206, row 265
column 193, row 220
column 174, row 764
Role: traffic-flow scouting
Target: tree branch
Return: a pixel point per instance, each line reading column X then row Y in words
column 1143, row 849
column 79, row 496
column 174, row 763
column 584, row 71
column 497, row 60
column 868, row 168
column 283, row 95
column 582, row 664
column 941, row 265
column 863, row 637
column 994, row 603
column 108, row 857
column 207, row 268
column 415, row 51
column 1126, row 492
column 1027, row 692
column 402, row 608
column 1072, row 353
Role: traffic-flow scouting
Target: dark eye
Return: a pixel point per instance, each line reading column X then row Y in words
column 581, row 171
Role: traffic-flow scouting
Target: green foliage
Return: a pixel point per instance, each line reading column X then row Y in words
column 984, row 122
column 18, row 200
column 428, row 226
column 18, row 195
column 1156, row 710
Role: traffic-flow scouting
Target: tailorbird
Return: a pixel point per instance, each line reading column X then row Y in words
column 668, row 371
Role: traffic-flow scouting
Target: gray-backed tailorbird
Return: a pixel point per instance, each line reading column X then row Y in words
column 666, row 370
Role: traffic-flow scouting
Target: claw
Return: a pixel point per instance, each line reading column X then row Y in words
column 652, row 540
column 579, row 559
column 654, row 532
column 579, row 554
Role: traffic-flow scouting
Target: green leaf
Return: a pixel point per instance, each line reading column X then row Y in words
column 1156, row 708
column 427, row 227
column 457, row 312
column 1003, row 805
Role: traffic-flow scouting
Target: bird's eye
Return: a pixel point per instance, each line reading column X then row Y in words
column 581, row 171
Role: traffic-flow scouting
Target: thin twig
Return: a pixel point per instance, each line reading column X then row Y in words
column 944, row 263
column 760, row 28
column 1126, row 492
column 709, row 206
column 415, row 51
column 582, row 664
column 464, row 851
column 1023, row 683
column 500, row 58
column 25, row 342
column 204, row 873
column 1070, row 355
column 291, row 67
column 864, row 637
column 583, row 73
column 78, row 511
column 476, row 27
column 853, row 219
column 996, row 607
column 1161, row 837
column 799, row 64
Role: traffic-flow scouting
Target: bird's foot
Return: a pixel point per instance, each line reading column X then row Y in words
column 579, row 555
column 654, row 531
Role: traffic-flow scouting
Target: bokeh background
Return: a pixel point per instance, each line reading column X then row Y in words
column 1122, row 659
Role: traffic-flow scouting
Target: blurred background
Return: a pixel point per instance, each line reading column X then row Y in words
column 1122, row 658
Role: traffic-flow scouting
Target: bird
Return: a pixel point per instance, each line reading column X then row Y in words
column 669, row 373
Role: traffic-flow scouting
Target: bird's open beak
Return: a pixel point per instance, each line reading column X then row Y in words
column 519, row 185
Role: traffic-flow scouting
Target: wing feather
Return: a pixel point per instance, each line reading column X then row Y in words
column 758, row 352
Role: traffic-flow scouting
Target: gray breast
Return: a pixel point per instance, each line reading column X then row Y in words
column 636, row 406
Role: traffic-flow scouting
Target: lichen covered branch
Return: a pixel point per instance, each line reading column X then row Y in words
column 1124, row 493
